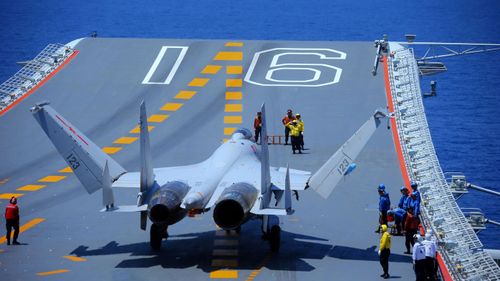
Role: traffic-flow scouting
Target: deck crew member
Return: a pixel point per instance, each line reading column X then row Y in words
column 384, row 204
column 12, row 220
column 404, row 202
column 385, row 251
column 430, row 256
column 286, row 120
column 418, row 257
column 411, row 227
column 301, row 129
column 398, row 214
column 257, row 125
column 415, row 198
column 295, row 133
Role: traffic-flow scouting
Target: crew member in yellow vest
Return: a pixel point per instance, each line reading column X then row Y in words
column 295, row 135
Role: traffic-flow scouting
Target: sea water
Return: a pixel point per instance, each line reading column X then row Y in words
column 464, row 118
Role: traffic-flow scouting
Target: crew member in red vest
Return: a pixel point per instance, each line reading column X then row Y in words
column 286, row 120
column 12, row 220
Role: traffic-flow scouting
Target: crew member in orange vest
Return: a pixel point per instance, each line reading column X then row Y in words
column 12, row 220
column 286, row 120
column 257, row 125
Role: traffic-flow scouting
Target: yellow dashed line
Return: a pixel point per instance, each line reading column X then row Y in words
column 24, row 227
column 229, row 56
column 185, row 95
column 75, row 258
column 234, row 83
column 229, row 131
column 9, row 195
column 198, row 82
column 224, row 273
column 52, row 178
column 59, row 271
column 234, row 95
column 224, row 263
column 234, row 44
column 225, row 252
column 157, row 118
column 137, row 129
column 170, row 106
column 233, row 108
column 256, row 272
column 234, row 69
column 66, row 170
column 125, row 140
column 31, row 187
column 233, row 120
column 211, row 69
column 225, row 242
column 111, row 149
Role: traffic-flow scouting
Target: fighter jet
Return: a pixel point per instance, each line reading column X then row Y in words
column 236, row 180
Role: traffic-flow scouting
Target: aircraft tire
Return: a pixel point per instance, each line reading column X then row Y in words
column 155, row 237
column 275, row 238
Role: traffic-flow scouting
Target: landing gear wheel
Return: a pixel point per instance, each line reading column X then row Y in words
column 275, row 238
column 155, row 237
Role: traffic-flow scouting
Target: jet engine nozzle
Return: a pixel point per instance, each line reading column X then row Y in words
column 234, row 204
column 164, row 205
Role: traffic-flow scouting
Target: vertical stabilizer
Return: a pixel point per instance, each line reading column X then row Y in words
column 147, row 176
column 85, row 158
column 265, row 171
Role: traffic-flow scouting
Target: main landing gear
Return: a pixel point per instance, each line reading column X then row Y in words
column 157, row 233
column 272, row 232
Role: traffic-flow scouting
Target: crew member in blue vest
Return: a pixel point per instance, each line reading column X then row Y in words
column 384, row 204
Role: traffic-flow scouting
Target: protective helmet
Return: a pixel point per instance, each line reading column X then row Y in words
column 289, row 111
column 383, row 227
column 417, row 237
column 13, row 200
column 381, row 186
column 298, row 115
column 414, row 185
column 403, row 188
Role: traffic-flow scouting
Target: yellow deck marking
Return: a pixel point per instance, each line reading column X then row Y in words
column 170, row 106
column 234, row 69
column 137, row 129
column 224, row 263
column 157, row 118
column 229, row 131
column 125, row 140
column 211, row 69
column 198, row 82
column 111, row 149
column 225, row 252
column 225, row 242
column 234, row 44
column 66, row 170
column 234, row 83
column 233, row 120
column 256, row 272
column 31, row 187
column 9, row 195
column 23, row 228
column 234, row 95
column 224, row 273
column 229, row 56
column 75, row 258
column 185, row 95
column 233, row 108
column 59, row 271
column 52, row 179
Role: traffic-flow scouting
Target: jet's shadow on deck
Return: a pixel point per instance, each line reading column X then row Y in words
column 369, row 254
column 197, row 250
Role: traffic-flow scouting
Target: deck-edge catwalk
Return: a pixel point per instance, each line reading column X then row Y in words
column 34, row 74
column 461, row 253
